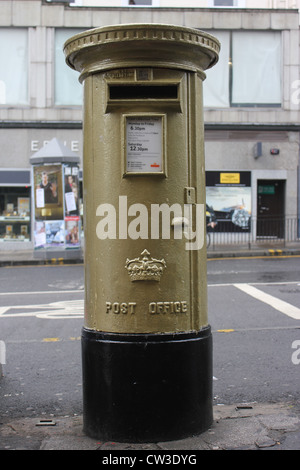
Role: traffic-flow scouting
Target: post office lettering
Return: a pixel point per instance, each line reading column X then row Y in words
column 156, row 308
column 120, row 307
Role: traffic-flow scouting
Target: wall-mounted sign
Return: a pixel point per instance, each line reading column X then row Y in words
column 144, row 144
column 266, row 189
column 230, row 178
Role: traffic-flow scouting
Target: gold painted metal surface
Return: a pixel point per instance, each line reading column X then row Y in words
column 157, row 45
column 139, row 281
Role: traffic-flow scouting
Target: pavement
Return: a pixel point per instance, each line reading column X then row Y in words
column 37, row 257
column 242, row 426
column 255, row 426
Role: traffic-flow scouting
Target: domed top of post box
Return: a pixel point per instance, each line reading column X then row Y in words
column 142, row 45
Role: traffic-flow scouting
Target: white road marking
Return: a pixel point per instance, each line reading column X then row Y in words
column 283, row 283
column 2, row 353
column 280, row 305
column 3, row 310
column 43, row 292
column 75, row 308
column 56, row 310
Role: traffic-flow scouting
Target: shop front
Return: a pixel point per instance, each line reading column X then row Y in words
column 249, row 207
column 25, row 223
column 252, row 196
column 15, row 207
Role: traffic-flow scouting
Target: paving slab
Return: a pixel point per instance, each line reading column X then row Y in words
column 266, row 426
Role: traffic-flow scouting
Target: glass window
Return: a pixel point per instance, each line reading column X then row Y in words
column 216, row 85
column 68, row 90
column 14, row 66
column 248, row 72
column 139, row 2
column 256, row 68
column 226, row 3
column 14, row 214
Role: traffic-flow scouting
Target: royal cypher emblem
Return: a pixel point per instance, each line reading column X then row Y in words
column 145, row 268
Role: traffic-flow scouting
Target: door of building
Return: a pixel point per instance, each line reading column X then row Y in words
column 270, row 208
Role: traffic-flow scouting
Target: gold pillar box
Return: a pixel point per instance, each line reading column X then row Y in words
column 143, row 156
column 143, row 184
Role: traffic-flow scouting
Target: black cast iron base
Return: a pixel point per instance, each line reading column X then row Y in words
column 146, row 388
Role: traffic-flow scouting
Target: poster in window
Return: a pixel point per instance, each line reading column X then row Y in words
column 23, row 206
column 24, row 230
column 39, row 235
column 55, row 233
column 48, row 192
column 72, row 232
column 228, row 200
column 9, row 230
column 71, row 190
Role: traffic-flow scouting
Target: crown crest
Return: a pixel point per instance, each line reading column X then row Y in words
column 145, row 268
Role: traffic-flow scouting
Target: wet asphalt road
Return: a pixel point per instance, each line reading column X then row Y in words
column 255, row 358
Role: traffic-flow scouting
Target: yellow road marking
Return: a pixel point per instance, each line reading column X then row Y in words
column 225, row 331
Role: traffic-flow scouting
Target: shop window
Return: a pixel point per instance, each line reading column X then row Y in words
column 256, row 74
column 248, row 72
column 14, row 214
column 216, row 85
column 14, row 69
column 139, row 2
column 226, row 3
column 68, row 90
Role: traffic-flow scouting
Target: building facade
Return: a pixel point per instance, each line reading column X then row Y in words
column 251, row 106
column 188, row 3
